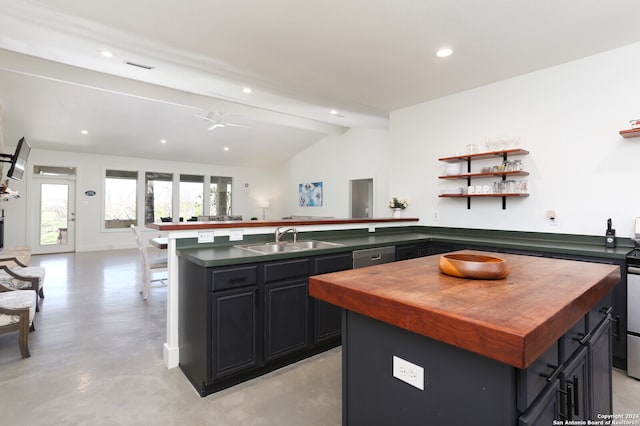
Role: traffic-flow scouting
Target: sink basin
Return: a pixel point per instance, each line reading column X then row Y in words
column 308, row 245
column 264, row 248
column 267, row 248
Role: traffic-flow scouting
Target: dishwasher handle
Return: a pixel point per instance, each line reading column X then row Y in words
column 373, row 256
column 633, row 270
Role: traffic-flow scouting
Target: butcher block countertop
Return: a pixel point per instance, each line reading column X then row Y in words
column 513, row 320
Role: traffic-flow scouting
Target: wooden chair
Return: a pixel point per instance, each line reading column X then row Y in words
column 149, row 266
column 17, row 310
column 21, row 276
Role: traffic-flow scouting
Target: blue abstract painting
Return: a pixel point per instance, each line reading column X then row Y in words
column 310, row 194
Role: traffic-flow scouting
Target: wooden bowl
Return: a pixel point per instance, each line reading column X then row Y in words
column 473, row 266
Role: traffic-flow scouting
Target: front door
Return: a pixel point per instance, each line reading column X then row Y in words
column 54, row 228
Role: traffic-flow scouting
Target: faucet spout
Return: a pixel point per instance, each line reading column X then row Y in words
column 279, row 234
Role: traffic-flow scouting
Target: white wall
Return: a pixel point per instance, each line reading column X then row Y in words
column 334, row 161
column 90, row 173
column 567, row 116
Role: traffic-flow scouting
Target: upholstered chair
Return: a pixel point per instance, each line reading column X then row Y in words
column 21, row 276
column 17, row 310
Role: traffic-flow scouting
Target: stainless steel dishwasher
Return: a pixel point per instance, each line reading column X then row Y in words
column 633, row 314
column 373, row 256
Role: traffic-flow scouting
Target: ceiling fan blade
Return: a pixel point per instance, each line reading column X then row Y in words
column 215, row 126
column 205, row 118
column 237, row 125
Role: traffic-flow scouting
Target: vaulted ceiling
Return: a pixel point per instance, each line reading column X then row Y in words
column 302, row 59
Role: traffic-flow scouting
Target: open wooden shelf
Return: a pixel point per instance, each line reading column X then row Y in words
column 514, row 194
column 485, row 174
column 631, row 133
column 501, row 153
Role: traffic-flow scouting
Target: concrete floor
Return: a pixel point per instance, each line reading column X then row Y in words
column 96, row 359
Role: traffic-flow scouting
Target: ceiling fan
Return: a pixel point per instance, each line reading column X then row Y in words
column 216, row 118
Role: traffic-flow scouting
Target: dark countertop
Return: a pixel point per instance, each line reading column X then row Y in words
column 226, row 253
column 512, row 320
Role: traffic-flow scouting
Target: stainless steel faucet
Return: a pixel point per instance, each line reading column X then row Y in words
column 279, row 233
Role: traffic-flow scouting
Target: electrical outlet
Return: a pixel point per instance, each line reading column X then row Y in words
column 408, row 372
column 236, row 235
column 205, row 237
column 436, row 216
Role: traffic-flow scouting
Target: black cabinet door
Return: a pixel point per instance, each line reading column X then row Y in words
column 406, row 252
column 574, row 383
column 328, row 317
column 439, row 248
column 545, row 410
column 235, row 331
column 600, row 360
column 286, row 317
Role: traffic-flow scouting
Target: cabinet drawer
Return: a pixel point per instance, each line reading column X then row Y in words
column 277, row 271
column 333, row 263
column 533, row 380
column 573, row 339
column 600, row 313
column 228, row 278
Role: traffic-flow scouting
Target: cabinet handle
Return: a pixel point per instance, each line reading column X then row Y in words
column 617, row 330
column 570, row 396
column 376, row 257
column 607, row 310
column 551, row 377
column 576, row 397
column 584, row 339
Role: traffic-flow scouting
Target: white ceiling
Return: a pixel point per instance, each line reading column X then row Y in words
column 363, row 58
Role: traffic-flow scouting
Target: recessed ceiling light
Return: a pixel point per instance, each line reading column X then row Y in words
column 106, row 54
column 333, row 112
column 84, row 132
column 444, row 52
column 247, row 90
column 163, row 141
column 226, row 148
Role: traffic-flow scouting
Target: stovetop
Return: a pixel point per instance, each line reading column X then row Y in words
column 633, row 257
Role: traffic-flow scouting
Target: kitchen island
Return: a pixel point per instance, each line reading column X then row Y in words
column 422, row 347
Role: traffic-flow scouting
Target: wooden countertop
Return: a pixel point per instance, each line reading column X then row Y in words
column 184, row 226
column 513, row 320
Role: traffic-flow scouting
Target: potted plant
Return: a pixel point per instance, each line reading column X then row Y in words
column 397, row 205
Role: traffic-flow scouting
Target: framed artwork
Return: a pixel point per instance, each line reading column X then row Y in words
column 310, row 194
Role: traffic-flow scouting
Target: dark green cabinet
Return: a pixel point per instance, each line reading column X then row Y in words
column 286, row 317
column 600, row 361
column 328, row 317
column 574, row 393
column 545, row 410
column 286, row 307
column 234, row 343
column 239, row 322
column 581, row 386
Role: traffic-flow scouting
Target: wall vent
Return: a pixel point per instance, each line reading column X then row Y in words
column 133, row 64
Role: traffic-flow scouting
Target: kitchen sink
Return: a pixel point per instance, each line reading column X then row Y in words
column 268, row 248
